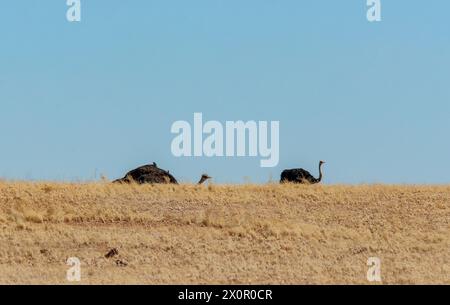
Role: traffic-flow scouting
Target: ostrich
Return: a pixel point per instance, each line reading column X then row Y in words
column 148, row 174
column 299, row 175
column 152, row 174
column 203, row 178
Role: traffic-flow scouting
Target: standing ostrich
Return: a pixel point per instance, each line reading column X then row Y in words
column 152, row 174
column 299, row 175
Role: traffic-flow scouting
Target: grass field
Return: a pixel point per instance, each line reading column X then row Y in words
column 221, row 234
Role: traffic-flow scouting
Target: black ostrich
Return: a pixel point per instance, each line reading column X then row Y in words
column 152, row 174
column 148, row 174
column 299, row 175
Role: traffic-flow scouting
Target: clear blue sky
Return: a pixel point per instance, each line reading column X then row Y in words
column 372, row 99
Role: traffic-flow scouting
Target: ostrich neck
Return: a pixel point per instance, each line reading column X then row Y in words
column 320, row 172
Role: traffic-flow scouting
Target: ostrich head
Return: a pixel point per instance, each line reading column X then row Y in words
column 204, row 178
column 321, row 162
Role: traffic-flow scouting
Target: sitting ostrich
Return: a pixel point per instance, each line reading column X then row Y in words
column 152, row 174
column 203, row 178
column 299, row 175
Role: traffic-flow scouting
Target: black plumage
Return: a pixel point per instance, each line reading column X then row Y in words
column 148, row 174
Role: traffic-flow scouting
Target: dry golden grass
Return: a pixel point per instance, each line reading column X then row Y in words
column 221, row 234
